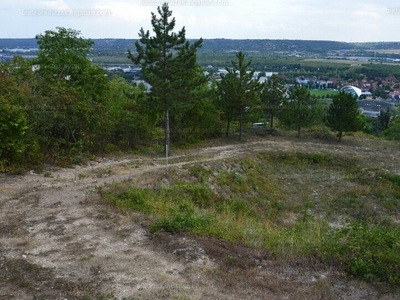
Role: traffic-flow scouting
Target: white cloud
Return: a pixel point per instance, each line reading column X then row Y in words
column 286, row 19
column 126, row 11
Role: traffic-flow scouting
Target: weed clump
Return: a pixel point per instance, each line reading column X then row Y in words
column 368, row 252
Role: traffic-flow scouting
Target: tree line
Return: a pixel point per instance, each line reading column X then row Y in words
column 60, row 107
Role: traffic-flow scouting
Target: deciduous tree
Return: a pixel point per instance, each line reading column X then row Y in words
column 72, row 92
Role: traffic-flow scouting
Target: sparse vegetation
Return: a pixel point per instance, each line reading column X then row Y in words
column 278, row 202
column 40, row 283
column 305, row 205
column 269, row 216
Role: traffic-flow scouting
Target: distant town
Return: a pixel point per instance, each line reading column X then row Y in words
column 355, row 64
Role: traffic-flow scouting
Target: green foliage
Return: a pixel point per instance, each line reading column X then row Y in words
column 195, row 117
column 371, row 70
column 321, row 132
column 13, row 127
column 69, row 110
column 134, row 198
column 225, row 99
column 393, row 130
column 372, row 203
column 300, row 158
column 323, row 94
column 368, row 252
column 169, row 64
column 238, row 92
column 354, row 208
column 200, row 172
column 200, row 195
column 385, row 117
column 14, row 121
column 130, row 124
column 62, row 56
column 343, row 114
column 239, row 203
column 272, row 97
column 181, row 221
column 61, row 112
column 300, row 111
column 394, row 178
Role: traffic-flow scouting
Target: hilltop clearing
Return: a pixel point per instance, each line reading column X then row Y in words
column 59, row 240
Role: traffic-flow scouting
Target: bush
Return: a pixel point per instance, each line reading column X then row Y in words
column 393, row 132
column 323, row 133
column 182, row 221
column 13, row 126
column 367, row 252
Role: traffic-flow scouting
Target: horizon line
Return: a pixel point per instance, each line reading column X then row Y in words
column 238, row 39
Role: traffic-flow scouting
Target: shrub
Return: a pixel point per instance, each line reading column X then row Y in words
column 13, row 126
column 181, row 221
column 367, row 252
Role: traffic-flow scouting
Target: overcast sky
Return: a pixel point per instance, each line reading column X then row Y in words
column 339, row 20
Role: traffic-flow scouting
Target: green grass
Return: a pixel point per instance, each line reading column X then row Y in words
column 368, row 252
column 284, row 202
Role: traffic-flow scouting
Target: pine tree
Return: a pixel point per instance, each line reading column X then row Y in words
column 272, row 97
column 239, row 91
column 168, row 63
column 343, row 114
column 226, row 99
column 300, row 111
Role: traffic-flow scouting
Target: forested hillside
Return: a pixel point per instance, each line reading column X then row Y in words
column 223, row 45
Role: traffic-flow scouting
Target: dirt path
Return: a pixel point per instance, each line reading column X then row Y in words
column 57, row 241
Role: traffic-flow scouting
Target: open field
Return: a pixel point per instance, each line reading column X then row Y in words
column 323, row 93
column 386, row 51
column 352, row 63
column 111, row 60
column 224, row 59
column 89, row 232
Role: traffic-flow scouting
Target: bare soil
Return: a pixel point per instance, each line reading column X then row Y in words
column 59, row 241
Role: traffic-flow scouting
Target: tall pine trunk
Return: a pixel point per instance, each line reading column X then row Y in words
column 228, row 125
column 167, row 135
column 271, row 122
column 241, row 126
column 340, row 136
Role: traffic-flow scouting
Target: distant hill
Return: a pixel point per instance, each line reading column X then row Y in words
column 18, row 43
column 228, row 45
column 378, row 45
column 262, row 46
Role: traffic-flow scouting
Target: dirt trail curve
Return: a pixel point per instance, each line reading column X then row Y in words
column 58, row 242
